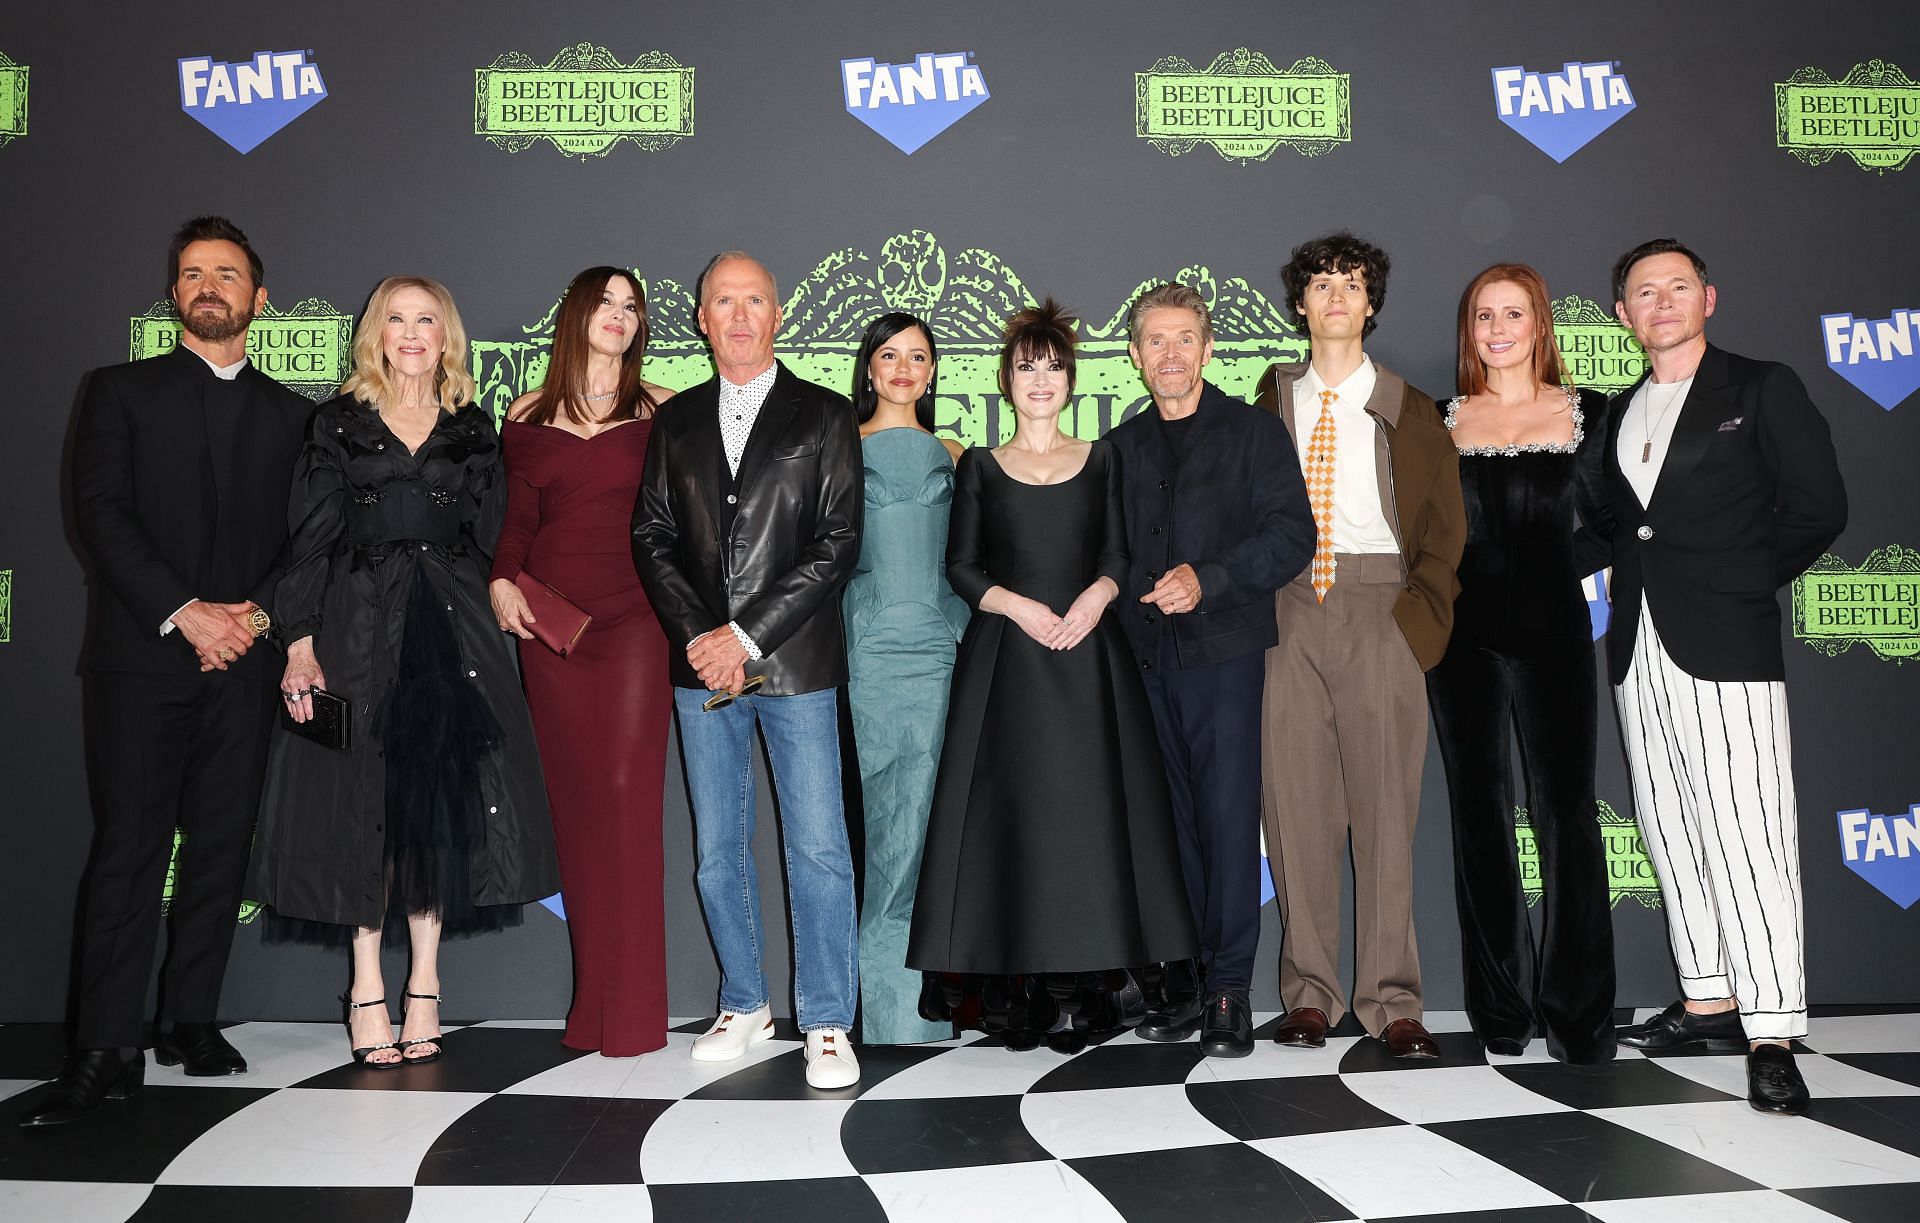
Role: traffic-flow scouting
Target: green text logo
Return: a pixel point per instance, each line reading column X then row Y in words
column 6, row 605
column 249, row 909
column 1599, row 353
column 1242, row 105
column 965, row 297
column 1629, row 871
column 584, row 101
column 1836, row 607
column 1872, row 115
column 13, row 100
column 308, row 348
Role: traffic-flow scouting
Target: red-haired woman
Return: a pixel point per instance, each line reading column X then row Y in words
column 1520, row 664
column 574, row 453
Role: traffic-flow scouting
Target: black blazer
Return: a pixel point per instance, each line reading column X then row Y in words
column 778, row 568
column 1235, row 509
column 147, row 490
column 1749, row 496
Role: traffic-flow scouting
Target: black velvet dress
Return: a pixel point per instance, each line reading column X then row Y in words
column 1520, row 665
column 1050, row 848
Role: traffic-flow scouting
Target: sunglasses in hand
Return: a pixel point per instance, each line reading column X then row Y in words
column 723, row 698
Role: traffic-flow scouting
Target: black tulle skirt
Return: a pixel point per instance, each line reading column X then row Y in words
column 434, row 729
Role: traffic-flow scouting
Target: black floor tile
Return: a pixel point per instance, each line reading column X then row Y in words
column 1865, row 1203
column 1129, row 1064
column 122, row 1140
column 1584, row 1158
column 1698, row 1050
column 1219, row 1184
column 208, row 1203
column 1348, row 1026
column 1456, row 1049
column 1516, row 1214
column 1859, row 1008
column 1900, row 1067
column 1891, row 1121
column 32, row 1050
column 841, row 1199
column 474, row 1059
column 510, row 1140
column 783, row 1027
column 610, row 1153
column 1626, row 1083
column 785, row 1077
column 1281, row 1108
column 915, row 1135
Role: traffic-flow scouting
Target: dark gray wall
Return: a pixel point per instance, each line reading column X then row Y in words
column 386, row 175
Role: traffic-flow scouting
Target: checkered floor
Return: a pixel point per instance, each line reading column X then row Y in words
column 511, row 1128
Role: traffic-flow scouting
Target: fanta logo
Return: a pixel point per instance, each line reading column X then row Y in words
column 910, row 104
column 1876, row 355
column 1885, row 851
column 244, row 103
column 1559, row 112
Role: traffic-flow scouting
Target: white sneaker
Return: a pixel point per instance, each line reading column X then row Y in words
column 830, row 1059
column 730, row 1035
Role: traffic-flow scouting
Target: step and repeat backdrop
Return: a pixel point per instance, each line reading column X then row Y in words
column 959, row 163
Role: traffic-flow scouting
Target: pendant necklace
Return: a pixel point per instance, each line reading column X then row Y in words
column 1651, row 420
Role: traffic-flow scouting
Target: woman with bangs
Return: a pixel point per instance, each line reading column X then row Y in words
column 1050, row 865
column 433, row 821
column 1520, row 665
column 575, row 450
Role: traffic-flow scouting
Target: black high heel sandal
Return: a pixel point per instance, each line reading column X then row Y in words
column 360, row 1055
column 433, row 1040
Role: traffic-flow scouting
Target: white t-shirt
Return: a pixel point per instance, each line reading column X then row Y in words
column 1647, row 429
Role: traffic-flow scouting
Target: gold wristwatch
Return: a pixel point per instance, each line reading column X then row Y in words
column 259, row 621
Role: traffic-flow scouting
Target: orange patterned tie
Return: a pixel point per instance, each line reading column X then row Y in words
column 1319, row 471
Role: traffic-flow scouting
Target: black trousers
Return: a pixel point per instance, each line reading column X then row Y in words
column 1482, row 700
column 1207, row 719
column 165, row 751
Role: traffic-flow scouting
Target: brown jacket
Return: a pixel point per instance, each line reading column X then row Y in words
column 1419, row 473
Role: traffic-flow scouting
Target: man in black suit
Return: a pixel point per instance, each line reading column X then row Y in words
column 745, row 531
column 1217, row 521
column 1720, row 487
column 181, row 467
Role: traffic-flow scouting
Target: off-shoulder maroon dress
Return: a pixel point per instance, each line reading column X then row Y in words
column 600, row 715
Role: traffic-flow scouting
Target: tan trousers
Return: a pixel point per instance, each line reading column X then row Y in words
column 1344, row 740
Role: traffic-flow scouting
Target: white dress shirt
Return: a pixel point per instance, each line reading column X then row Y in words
column 739, row 408
column 1650, row 418
column 226, row 373
column 1359, row 523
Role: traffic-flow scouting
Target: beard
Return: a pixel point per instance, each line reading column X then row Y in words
column 215, row 329
column 1174, row 386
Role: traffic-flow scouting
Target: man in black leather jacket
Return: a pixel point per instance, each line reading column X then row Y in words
column 746, row 528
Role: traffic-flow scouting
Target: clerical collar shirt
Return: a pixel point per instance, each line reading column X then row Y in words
column 1359, row 522
column 739, row 407
column 226, row 373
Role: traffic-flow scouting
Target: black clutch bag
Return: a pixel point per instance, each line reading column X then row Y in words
column 331, row 724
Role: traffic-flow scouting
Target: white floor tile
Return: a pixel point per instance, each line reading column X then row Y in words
column 1078, row 1124
column 1446, row 1021
column 545, row 1025
column 278, row 1055
column 671, row 1074
column 1864, row 1034
column 13, row 1087
column 1764, row 1206
column 974, row 1070
column 594, row 1204
column 1039, row 1190
column 745, row 1140
column 1826, row 1078
column 1271, row 1061
column 1449, row 1093
column 592, row 1075
column 303, row 1136
column 70, row 1201
column 474, row 1204
column 1402, row 1170
column 1779, row 1152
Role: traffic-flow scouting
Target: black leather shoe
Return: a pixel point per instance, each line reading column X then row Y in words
column 1174, row 1023
column 91, row 1075
column 1676, row 1027
column 1774, row 1084
column 199, row 1049
column 1228, row 1031
column 1506, row 1046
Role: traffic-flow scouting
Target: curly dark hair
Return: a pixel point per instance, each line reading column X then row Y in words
column 1341, row 252
column 1039, row 333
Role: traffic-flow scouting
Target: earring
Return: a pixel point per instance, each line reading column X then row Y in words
column 869, row 382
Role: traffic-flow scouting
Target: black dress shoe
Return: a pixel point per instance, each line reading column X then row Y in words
column 1174, row 1023
column 199, row 1049
column 1676, row 1027
column 1229, row 1028
column 1774, row 1084
column 91, row 1075
column 1506, row 1046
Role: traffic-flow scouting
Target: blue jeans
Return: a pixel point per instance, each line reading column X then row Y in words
column 803, row 745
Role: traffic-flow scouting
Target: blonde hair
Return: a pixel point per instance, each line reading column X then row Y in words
column 372, row 382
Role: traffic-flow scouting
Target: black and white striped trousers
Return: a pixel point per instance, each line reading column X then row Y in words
column 1713, row 790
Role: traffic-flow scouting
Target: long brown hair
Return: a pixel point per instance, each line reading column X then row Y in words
column 1548, row 370
column 565, row 390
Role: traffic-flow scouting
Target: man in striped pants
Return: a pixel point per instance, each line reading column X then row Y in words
column 1717, row 486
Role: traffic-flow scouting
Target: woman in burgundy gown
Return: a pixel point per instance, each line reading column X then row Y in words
column 574, row 453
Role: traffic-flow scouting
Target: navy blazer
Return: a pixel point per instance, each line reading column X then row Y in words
column 1235, row 509
column 1749, row 496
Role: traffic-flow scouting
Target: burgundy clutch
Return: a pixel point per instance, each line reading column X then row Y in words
column 557, row 623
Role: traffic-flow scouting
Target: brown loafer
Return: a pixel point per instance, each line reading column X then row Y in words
column 1305, row 1027
column 1407, row 1038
